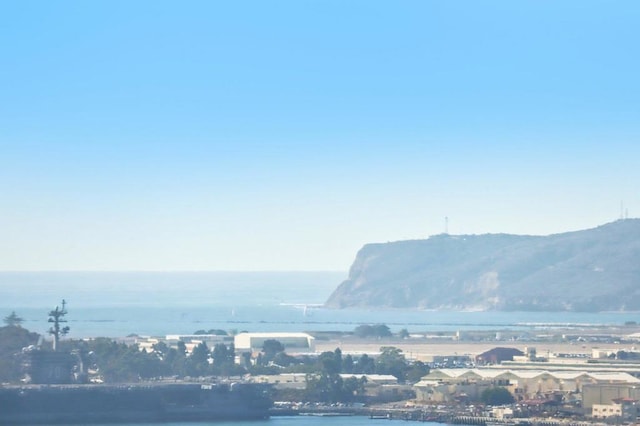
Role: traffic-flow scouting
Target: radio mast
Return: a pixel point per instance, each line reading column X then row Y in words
column 56, row 317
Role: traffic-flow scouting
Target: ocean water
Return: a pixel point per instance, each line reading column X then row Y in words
column 156, row 304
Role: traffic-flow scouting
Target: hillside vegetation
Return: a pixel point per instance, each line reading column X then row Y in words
column 591, row 270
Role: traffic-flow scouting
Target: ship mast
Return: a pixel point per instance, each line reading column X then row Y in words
column 56, row 317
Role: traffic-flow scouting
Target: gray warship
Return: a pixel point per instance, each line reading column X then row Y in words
column 56, row 390
column 58, row 393
column 152, row 402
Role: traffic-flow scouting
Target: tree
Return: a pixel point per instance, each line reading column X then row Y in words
column 416, row 371
column 12, row 340
column 270, row 348
column 224, row 359
column 326, row 387
column 56, row 317
column 330, row 362
column 352, row 388
column 392, row 361
column 283, row 360
column 161, row 350
column 382, row 330
column 347, row 364
column 337, row 359
column 13, row 320
column 245, row 358
column 378, row 331
column 117, row 362
column 364, row 365
column 182, row 348
column 198, row 362
column 496, row 396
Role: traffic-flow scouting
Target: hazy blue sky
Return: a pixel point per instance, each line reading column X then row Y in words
column 284, row 135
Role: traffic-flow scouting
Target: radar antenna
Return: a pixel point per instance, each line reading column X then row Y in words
column 56, row 317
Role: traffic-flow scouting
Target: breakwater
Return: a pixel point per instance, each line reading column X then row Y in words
column 425, row 415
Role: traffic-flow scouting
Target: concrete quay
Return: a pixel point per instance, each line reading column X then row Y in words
column 446, row 416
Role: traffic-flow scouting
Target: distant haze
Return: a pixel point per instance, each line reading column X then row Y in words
column 112, row 289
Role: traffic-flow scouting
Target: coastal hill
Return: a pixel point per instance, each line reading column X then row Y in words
column 591, row 270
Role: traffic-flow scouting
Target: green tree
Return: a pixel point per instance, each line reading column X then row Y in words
column 330, row 362
column 197, row 364
column 283, row 360
column 364, row 365
column 324, row 388
column 382, row 330
column 416, row 371
column 245, row 358
column 161, row 350
column 270, row 348
column 333, row 388
column 13, row 320
column 182, row 348
column 224, row 360
column 117, row 362
column 337, row 359
column 353, row 389
column 12, row 340
column 347, row 364
column 392, row 361
column 378, row 331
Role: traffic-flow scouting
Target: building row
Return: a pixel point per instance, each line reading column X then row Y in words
column 243, row 342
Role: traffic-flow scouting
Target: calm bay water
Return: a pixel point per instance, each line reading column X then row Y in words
column 119, row 304
column 290, row 421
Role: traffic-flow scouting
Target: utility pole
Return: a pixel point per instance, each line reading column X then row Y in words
column 56, row 317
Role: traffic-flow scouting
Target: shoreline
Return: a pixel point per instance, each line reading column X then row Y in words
column 443, row 416
column 420, row 415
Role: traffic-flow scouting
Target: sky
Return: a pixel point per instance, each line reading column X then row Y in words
column 285, row 135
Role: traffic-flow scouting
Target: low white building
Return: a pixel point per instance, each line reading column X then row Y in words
column 502, row 413
column 193, row 340
column 283, row 381
column 292, row 342
column 379, row 379
column 623, row 408
column 190, row 341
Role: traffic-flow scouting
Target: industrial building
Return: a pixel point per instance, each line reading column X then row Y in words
column 446, row 385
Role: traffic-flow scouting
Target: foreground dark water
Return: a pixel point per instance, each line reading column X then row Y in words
column 286, row 421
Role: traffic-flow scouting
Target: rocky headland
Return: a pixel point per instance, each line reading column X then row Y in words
column 590, row 270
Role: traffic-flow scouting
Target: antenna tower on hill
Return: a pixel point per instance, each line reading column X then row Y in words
column 621, row 210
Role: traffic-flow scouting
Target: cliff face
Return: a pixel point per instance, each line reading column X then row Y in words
column 591, row 270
